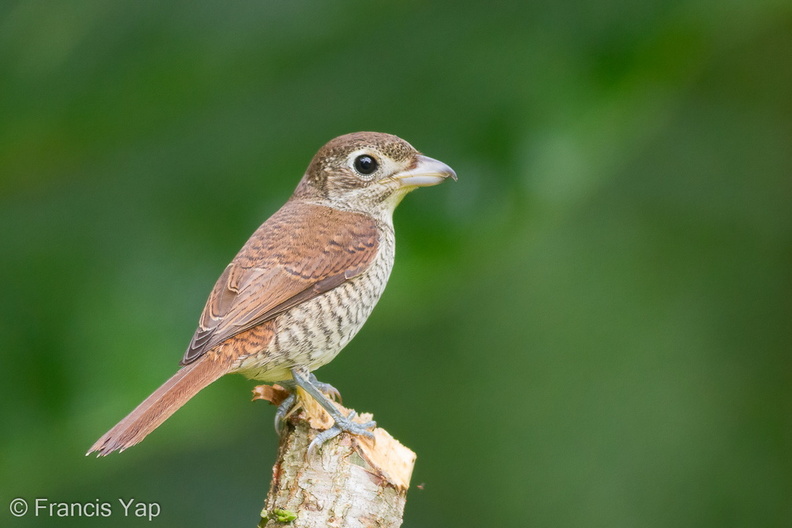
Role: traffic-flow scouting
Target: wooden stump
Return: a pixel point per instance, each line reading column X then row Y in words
column 350, row 482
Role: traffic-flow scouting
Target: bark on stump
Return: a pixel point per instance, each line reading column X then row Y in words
column 350, row 482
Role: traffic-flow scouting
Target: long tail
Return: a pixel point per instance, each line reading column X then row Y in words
column 160, row 405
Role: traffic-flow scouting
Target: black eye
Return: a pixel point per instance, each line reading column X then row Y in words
column 365, row 164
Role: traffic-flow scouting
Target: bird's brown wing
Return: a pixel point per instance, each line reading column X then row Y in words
column 302, row 251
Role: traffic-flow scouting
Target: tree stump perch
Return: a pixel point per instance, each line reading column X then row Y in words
column 350, row 482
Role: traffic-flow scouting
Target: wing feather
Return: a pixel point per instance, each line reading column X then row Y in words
column 302, row 251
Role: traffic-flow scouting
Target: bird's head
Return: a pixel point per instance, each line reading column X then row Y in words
column 368, row 171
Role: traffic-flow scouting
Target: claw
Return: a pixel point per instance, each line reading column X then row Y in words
column 321, row 438
column 284, row 409
column 325, row 388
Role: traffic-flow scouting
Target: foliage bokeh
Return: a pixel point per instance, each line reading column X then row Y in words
column 591, row 328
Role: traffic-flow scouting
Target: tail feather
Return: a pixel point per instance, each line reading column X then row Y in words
column 160, row 405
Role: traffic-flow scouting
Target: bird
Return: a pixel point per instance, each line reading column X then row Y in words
column 302, row 285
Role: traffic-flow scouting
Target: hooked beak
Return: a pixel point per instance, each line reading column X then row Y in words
column 426, row 172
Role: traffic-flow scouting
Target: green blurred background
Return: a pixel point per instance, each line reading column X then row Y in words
column 591, row 328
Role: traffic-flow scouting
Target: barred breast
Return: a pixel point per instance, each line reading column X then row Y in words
column 311, row 334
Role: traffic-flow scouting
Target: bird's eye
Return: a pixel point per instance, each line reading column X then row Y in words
column 365, row 164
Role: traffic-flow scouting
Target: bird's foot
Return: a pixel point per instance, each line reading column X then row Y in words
column 343, row 424
column 326, row 388
column 307, row 381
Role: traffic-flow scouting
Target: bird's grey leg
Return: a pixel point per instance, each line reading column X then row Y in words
column 342, row 423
